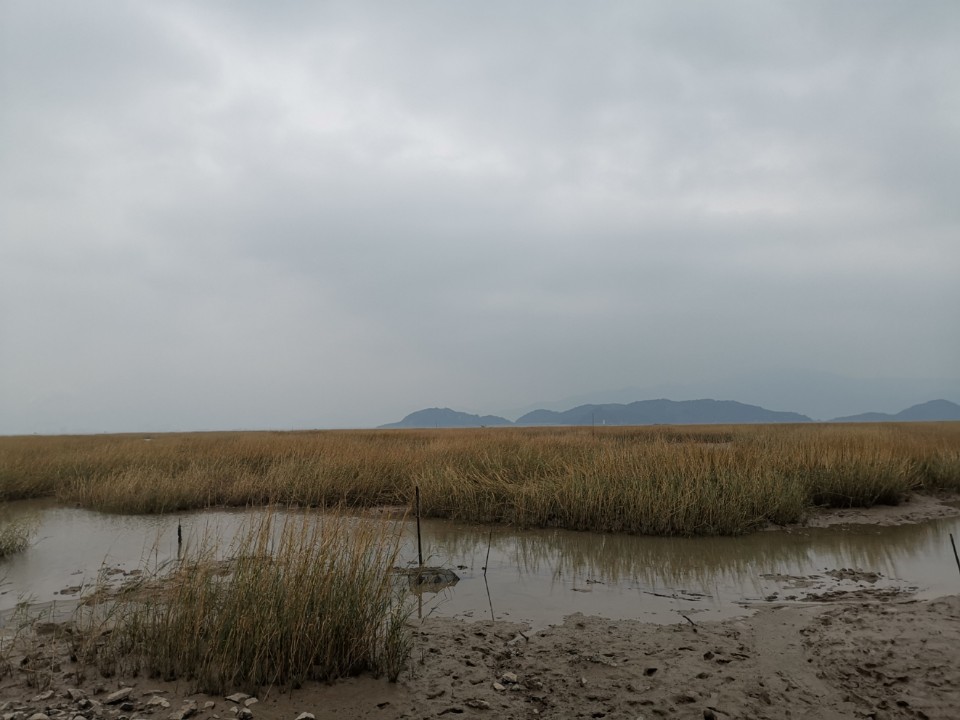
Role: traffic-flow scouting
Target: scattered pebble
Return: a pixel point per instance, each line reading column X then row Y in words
column 118, row 696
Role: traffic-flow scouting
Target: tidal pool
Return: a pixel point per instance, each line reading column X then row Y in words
column 532, row 576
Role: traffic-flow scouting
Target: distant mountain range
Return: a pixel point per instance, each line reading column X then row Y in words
column 663, row 412
column 446, row 418
column 928, row 411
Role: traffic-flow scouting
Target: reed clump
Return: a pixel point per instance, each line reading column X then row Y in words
column 309, row 597
column 15, row 536
column 678, row 480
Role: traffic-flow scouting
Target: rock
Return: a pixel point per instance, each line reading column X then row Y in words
column 74, row 694
column 189, row 709
column 708, row 714
column 306, row 716
column 84, row 703
column 509, row 678
column 209, row 705
column 477, row 703
column 39, row 716
column 431, row 579
column 118, row 696
column 498, row 687
column 250, row 701
column 237, row 697
column 245, row 714
column 156, row 701
column 44, row 696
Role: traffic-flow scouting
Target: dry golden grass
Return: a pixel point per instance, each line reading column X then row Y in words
column 14, row 536
column 293, row 599
column 659, row 480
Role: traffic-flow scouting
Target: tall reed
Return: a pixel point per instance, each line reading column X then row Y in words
column 14, row 536
column 306, row 597
column 663, row 480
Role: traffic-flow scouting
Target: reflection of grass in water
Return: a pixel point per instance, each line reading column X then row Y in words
column 677, row 562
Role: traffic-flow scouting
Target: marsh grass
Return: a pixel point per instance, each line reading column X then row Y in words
column 15, row 536
column 299, row 598
column 678, row 480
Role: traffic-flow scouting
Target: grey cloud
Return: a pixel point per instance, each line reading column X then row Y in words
column 237, row 214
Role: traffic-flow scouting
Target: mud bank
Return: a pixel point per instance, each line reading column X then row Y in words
column 853, row 657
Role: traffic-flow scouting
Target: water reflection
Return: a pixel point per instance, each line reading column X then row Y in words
column 537, row 576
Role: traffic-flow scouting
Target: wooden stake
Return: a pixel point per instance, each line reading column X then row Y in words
column 487, row 561
column 955, row 556
column 419, row 545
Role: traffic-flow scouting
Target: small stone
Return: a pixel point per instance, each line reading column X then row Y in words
column 583, row 682
column 74, row 694
column 44, row 696
column 708, row 714
column 237, row 697
column 156, row 701
column 84, row 703
column 306, row 716
column 250, row 701
column 79, row 717
column 498, row 687
column 209, row 705
column 478, row 704
column 189, row 708
column 509, row 678
column 128, row 707
column 39, row 716
column 118, row 696
column 245, row 714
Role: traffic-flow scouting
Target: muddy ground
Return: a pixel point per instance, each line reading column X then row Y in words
column 886, row 657
column 861, row 652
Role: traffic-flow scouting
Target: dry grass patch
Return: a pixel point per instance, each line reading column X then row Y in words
column 306, row 597
column 675, row 480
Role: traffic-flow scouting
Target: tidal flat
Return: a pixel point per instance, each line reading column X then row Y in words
column 574, row 598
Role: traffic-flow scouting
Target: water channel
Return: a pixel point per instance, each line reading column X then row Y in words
column 532, row 576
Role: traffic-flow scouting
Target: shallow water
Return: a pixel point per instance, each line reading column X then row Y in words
column 533, row 576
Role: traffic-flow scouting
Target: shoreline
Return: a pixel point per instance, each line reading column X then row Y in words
column 869, row 651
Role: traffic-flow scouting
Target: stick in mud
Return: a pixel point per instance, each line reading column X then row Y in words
column 487, row 561
column 419, row 545
column 955, row 556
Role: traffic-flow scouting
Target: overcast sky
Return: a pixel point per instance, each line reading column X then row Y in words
column 275, row 215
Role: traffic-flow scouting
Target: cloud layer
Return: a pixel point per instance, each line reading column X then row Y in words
column 331, row 214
